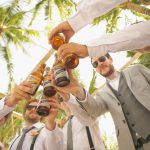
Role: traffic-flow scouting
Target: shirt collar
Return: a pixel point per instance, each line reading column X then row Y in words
column 117, row 76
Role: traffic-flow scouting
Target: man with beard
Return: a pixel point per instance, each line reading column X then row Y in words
column 125, row 95
column 37, row 135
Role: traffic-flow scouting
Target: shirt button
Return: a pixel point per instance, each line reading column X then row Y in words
column 122, row 103
column 132, row 125
column 118, row 103
column 124, row 121
column 119, row 94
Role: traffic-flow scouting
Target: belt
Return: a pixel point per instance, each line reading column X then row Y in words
column 141, row 141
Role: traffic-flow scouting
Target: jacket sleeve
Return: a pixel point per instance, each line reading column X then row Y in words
column 4, row 110
column 121, row 40
column 88, row 110
column 89, row 9
column 145, row 71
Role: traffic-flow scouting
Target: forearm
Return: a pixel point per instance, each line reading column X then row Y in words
column 131, row 38
column 5, row 109
column 88, row 10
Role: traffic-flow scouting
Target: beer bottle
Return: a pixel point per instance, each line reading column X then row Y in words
column 61, row 76
column 48, row 89
column 36, row 78
column 43, row 107
column 70, row 60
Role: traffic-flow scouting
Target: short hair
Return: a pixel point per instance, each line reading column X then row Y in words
column 27, row 104
column 108, row 55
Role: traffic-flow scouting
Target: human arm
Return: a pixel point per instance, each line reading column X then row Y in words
column 8, row 103
column 54, row 139
column 87, row 11
column 131, row 38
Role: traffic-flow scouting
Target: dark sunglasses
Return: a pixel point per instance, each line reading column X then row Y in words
column 30, row 107
column 100, row 59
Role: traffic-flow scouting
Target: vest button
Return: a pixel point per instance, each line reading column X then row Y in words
column 118, row 103
column 124, row 121
column 132, row 125
column 122, row 103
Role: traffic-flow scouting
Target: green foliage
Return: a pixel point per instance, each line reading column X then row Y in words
column 92, row 87
column 111, row 18
column 9, row 130
column 144, row 59
column 65, row 8
column 109, row 143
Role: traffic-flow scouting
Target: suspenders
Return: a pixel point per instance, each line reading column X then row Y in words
column 89, row 138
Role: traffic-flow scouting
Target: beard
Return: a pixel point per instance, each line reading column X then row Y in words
column 109, row 72
column 31, row 119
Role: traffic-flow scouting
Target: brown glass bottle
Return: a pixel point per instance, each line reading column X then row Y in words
column 48, row 89
column 70, row 60
column 60, row 73
column 36, row 78
column 43, row 107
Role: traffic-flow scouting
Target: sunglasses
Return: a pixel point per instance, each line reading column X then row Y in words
column 100, row 59
column 30, row 107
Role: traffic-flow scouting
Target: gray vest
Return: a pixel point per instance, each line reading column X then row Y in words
column 138, row 117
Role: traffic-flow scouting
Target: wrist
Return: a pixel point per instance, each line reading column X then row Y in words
column 80, row 94
column 11, row 101
column 50, row 125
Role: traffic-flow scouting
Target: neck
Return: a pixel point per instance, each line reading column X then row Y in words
column 112, row 76
column 29, row 124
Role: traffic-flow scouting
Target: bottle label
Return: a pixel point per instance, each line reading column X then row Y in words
column 44, row 102
column 35, row 82
column 60, row 72
column 47, row 83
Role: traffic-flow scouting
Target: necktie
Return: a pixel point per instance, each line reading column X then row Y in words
column 69, row 135
column 20, row 143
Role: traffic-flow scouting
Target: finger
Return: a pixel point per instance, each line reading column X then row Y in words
column 22, row 95
column 26, row 83
column 60, row 50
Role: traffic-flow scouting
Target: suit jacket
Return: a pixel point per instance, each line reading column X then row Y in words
column 138, row 80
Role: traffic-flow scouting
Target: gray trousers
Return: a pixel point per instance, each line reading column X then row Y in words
column 146, row 146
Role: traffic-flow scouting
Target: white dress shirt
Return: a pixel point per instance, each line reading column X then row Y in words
column 46, row 140
column 115, row 82
column 80, row 140
column 4, row 109
column 79, row 135
column 133, row 37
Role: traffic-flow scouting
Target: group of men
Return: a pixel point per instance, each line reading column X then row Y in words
column 125, row 95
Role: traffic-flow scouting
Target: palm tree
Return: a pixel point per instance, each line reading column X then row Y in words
column 65, row 8
column 12, row 33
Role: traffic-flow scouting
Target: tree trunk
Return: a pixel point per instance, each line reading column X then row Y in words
column 138, row 8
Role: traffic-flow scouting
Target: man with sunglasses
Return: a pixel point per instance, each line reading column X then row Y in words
column 37, row 135
column 125, row 95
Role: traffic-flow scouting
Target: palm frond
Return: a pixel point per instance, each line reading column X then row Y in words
column 7, row 57
column 92, row 87
column 15, row 19
column 37, row 9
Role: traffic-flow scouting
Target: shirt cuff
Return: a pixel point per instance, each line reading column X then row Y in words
column 4, row 109
column 97, row 51
column 83, row 101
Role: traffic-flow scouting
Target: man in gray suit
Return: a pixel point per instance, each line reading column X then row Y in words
column 126, row 96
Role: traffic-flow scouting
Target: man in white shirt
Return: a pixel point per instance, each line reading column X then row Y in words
column 131, row 38
column 80, row 139
column 125, row 95
column 39, row 136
